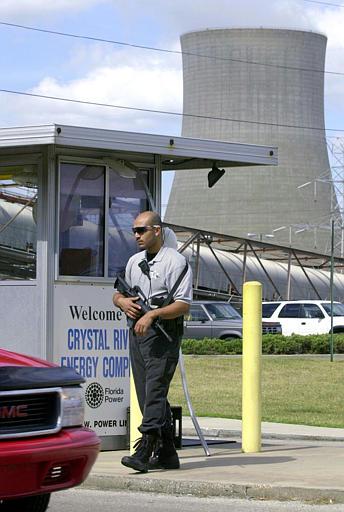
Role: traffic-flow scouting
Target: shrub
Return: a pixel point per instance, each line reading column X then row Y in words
column 209, row 346
column 271, row 344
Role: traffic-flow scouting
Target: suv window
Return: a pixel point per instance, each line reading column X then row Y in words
column 222, row 311
column 290, row 311
column 338, row 309
column 312, row 311
column 197, row 314
column 269, row 309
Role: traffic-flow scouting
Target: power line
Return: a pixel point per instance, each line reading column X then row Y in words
column 165, row 50
column 166, row 112
column 323, row 3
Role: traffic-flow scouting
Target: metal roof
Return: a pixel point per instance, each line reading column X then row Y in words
column 268, row 251
column 176, row 152
column 226, row 261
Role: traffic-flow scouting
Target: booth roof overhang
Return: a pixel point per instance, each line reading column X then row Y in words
column 140, row 148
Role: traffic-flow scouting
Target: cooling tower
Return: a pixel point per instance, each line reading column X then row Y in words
column 259, row 86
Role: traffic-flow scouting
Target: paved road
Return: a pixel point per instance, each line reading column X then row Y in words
column 80, row 500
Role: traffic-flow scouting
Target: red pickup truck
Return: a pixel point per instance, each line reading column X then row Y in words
column 43, row 445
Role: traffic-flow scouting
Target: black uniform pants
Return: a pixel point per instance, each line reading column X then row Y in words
column 153, row 363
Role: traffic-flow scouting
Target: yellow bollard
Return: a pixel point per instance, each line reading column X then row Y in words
column 135, row 415
column 251, row 367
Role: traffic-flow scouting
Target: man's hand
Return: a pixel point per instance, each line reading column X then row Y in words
column 128, row 306
column 144, row 323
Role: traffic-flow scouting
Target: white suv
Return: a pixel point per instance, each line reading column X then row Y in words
column 305, row 316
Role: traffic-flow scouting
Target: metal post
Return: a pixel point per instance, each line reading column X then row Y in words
column 136, row 415
column 181, row 360
column 306, row 275
column 315, row 237
column 251, row 367
column 188, row 401
column 264, row 270
column 197, row 270
column 289, row 276
column 331, row 287
column 222, row 267
column 244, row 266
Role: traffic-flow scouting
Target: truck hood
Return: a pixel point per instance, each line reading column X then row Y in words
column 13, row 359
column 19, row 371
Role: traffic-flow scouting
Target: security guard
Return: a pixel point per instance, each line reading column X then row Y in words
column 154, row 358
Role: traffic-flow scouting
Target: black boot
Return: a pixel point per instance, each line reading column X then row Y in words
column 165, row 455
column 144, row 448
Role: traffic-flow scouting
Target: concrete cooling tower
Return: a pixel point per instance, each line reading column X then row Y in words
column 259, row 86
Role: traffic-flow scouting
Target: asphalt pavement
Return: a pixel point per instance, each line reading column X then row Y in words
column 296, row 462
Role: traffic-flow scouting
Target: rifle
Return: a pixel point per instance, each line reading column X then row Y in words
column 122, row 286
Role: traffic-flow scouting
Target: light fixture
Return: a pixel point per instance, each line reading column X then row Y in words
column 279, row 229
column 214, row 175
column 305, row 184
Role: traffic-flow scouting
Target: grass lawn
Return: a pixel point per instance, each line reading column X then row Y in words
column 302, row 390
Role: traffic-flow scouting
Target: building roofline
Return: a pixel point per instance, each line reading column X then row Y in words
column 170, row 146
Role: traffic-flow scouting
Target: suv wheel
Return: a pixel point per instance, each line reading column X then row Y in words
column 30, row 504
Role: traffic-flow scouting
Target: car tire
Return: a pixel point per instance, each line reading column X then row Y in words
column 337, row 330
column 30, row 504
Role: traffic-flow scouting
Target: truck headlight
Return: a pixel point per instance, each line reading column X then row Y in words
column 72, row 407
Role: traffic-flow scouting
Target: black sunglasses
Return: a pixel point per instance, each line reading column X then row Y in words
column 142, row 229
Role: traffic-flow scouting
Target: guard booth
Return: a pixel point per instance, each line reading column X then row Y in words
column 68, row 197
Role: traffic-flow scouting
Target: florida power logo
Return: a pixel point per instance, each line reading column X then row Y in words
column 94, row 395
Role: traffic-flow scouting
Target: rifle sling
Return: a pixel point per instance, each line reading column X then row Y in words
column 169, row 297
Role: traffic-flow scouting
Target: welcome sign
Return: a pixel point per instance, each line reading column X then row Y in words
column 91, row 336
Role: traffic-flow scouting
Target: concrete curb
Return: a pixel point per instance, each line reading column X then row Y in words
column 201, row 489
column 227, row 434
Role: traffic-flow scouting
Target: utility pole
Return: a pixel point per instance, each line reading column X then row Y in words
column 331, row 287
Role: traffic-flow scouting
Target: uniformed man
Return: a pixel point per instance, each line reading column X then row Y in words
column 154, row 358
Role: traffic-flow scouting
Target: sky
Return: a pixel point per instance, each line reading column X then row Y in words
column 76, row 68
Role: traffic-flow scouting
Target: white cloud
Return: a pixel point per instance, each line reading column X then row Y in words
column 179, row 16
column 24, row 9
column 149, row 84
column 147, row 79
column 330, row 22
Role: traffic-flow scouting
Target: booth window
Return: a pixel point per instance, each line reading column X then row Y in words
column 81, row 220
column 127, row 198
column 18, row 231
column 95, row 219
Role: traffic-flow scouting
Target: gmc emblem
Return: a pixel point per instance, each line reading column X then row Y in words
column 13, row 411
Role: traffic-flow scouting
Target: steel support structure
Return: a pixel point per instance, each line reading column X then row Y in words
column 242, row 246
